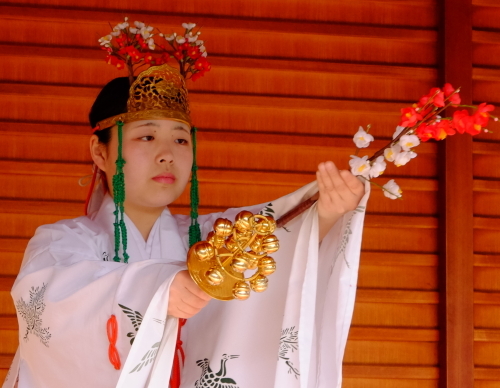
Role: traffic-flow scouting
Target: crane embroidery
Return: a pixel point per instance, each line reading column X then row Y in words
column 135, row 318
column 209, row 379
column 31, row 312
column 289, row 341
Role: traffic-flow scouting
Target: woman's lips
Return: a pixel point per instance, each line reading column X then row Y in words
column 165, row 178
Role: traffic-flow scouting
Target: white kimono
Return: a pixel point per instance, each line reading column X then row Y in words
column 292, row 335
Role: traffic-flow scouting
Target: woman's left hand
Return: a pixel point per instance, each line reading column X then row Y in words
column 339, row 193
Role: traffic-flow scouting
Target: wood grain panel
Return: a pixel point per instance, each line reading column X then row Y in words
column 269, row 38
column 486, row 241
column 391, row 353
column 394, row 315
column 487, row 316
column 249, row 76
column 387, row 383
column 380, row 12
column 408, row 278
column 486, row 354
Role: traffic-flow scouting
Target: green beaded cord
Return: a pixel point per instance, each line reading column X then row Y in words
column 119, row 198
column 194, row 228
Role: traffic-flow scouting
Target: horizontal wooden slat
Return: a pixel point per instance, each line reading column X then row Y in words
column 361, row 11
column 487, row 223
column 397, row 296
column 359, row 382
column 483, row 335
column 390, row 372
column 486, row 354
column 486, row 316
column 357, row 333
column 269, row 38
column 398, row 277
column 487, row 260
column 392, row 353
column 398, row 259
column 250, row 76
column 487, row 298
column 486, row 241
column 384, row 314
column 5, row 361
column 486, row 279
column 482, row 373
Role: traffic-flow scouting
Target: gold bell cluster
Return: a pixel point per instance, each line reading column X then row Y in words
column 218, row 265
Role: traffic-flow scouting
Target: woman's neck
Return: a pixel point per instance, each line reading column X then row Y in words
column 143, row 218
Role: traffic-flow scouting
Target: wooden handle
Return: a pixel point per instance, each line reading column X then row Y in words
column 296, row 211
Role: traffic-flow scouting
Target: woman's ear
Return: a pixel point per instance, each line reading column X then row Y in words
column 99, row 152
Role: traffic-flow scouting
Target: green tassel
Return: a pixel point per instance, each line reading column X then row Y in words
column 119, row 198
column 194, row 228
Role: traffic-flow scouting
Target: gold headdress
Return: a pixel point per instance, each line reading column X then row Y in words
column 158, row 93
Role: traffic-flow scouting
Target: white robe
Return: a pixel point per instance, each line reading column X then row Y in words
column 292, row 335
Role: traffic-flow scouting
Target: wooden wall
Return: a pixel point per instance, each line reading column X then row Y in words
column 486, row 169
column 291, row 82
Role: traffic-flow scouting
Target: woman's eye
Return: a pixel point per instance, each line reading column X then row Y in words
column 182, row 141
column 147, row 138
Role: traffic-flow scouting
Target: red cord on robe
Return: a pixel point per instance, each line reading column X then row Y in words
column 175, row 377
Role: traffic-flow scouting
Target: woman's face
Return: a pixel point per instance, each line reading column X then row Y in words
column 158, row 155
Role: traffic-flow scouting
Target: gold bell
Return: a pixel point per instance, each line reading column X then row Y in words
column 267, row 266
column 241, row 290
column 223, row 227
column 256, row 244
column 259, row 284
column 265, row 226
column 252, row 261
column 232, row 244
column 239, row 263
column 214, row 276
column 216, row 241
column 243, row 221
column 204, row 250
column 270, row 244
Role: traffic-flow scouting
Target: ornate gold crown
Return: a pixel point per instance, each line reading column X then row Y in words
column 158, row 93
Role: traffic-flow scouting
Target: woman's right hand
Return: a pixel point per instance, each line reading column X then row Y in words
column 186, row 298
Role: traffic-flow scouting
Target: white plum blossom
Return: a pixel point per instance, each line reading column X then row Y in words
column 202, row 49
column 146, row 32
column 171, row 37
column 404, row 157
column 151, row 43
column 138, row 25
column 378, row 167
column 390, row 153
column 105, row 40
column 191, row 38
column 407, row 142
column 180, row 39
column 360, row 166
column 398, row 130
column 362, row 139
column 116, row 31
column 204, row 55
column 188, row 26
column 199, row 42
column 391, row 190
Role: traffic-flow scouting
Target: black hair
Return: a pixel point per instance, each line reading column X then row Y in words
column 111, row 101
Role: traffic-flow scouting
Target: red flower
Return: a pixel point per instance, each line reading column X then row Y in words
column 194, row 52
column 198, row 75
column 462, row 121
column 148, row 58
column 179, row 55
column 425, row 132
column 435, row 97
column 202, row 64
column 443, row 129
column 133, row 53
column 409, row 116
column 112, row 60
column 448, row 90
column 482, row 115
column 184, row 46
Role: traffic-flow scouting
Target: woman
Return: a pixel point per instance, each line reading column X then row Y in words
column 88, row 320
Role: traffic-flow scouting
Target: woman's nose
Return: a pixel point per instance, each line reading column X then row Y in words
column 165, row 155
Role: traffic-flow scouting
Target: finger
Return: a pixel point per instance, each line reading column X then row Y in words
column 329, row 196
column 354, row 183
column 194, row 289
column 333, row 181
column 193, row 300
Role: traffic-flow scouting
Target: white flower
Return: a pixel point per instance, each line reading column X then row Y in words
column 392, row 190
column 202, row 49
column 171, row 37
column 399, row 129
column 191, row 38
column 204, row 55
column 404, row 157
column 378, row 167
column 180, row 39
column 390, row 153
column 188, row 26
column 105, row 40
column 151, row 43
column 199, row 43
column 360, row 166
column 362, row 139
column 122, row 26
column 407, row 142
column 116, row 31
column 146, row 32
